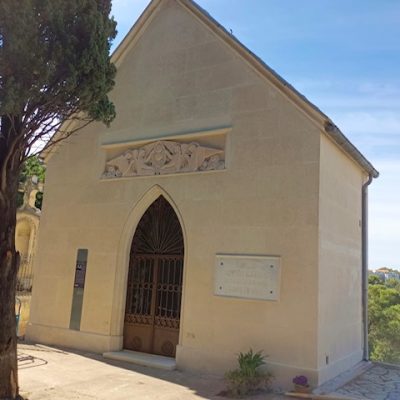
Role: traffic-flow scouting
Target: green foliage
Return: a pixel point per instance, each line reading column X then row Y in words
column 54, row 59
column 33, row 166
column 375, row 280
column 248, row 378
column 39, row 200
column 55, row 69
column 384, row 321
column 393, row 283
column 249, row 362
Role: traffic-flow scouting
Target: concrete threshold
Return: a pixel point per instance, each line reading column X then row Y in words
column 144, row 359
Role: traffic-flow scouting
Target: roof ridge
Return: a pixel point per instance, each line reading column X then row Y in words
column 329, row 126
column 310, row 109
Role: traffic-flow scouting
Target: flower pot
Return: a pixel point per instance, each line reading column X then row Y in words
column 302, row 389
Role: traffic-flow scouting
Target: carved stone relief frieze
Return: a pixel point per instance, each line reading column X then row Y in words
column 164, row 157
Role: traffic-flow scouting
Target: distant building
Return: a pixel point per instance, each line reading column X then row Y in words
column 386, row 273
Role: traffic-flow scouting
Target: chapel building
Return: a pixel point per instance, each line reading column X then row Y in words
column 220, row 211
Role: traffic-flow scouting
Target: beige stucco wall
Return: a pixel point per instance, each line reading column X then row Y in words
column 340, row 310
column 180, row 78
column 25, row 242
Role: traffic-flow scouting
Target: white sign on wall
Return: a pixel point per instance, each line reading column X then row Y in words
column 248, row 277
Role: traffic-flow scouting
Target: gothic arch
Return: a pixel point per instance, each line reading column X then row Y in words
column 122, row 264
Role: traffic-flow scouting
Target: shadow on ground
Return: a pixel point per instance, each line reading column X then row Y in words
column 57, row 373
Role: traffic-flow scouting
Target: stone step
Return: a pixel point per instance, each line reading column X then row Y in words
column 144, row 359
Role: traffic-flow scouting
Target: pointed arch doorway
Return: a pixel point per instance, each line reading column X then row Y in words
column 154, row 292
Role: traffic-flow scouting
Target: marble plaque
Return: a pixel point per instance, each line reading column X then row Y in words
column 247, row 277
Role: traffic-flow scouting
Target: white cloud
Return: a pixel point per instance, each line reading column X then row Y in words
column 351, row 95
column 368, row 112
column 361, row 122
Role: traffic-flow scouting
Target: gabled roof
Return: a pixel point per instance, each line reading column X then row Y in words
column 299, row 100
column 323, row 121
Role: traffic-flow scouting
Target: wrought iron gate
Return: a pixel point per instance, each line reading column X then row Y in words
column 153, row 302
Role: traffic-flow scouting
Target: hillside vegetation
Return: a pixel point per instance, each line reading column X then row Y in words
column 384, row 319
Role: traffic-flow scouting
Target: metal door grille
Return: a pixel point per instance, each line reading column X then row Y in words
column 159, row 231
column 169, row 292
column 155, row 277
column 140, row 291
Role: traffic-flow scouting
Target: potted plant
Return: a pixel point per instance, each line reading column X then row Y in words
column 248, row 378
column 301, row 384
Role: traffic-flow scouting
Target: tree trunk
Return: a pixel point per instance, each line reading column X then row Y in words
column 8, row 276
column 9, row 263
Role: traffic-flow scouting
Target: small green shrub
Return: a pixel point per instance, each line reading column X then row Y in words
column 248, row 378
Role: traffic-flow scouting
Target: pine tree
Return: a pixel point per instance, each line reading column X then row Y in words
column 55, row 72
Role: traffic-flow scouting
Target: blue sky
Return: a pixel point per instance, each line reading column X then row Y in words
column 342, row 55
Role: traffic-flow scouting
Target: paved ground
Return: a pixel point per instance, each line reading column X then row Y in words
column 366, row 381
column 50, row 373
column 380, row 382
